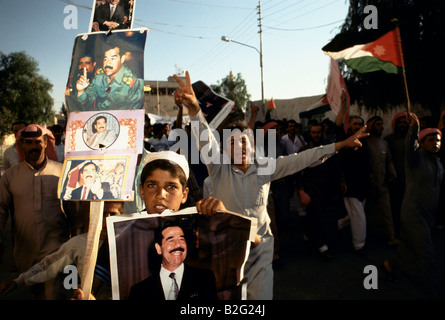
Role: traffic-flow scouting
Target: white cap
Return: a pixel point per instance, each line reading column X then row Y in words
column 171, row 156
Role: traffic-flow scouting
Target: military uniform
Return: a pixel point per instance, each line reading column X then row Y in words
column 125, row 91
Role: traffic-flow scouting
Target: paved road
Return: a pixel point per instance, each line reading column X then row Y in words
column 302, row 275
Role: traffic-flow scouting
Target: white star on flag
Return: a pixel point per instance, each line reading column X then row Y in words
column 379, row 50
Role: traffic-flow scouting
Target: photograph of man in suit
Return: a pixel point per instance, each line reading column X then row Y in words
column 110, row 16
column 92, row 188
column 175, row 280
column 101, row 137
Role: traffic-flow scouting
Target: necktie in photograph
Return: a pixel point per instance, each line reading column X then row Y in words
column 84, row 194
column 173, row 294
column 112, row 11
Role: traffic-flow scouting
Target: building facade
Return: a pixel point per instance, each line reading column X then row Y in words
column 159, row 97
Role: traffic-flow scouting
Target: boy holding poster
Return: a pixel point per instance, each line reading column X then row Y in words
column 163, row 187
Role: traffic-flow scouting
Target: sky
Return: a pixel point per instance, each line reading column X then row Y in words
column 186, row 35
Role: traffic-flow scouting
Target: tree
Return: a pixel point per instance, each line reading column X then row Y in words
column 422, row 33
column 24, row 94
column 235, row 89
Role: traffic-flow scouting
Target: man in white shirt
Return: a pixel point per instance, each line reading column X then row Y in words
column 293, row 140
column 243, row 186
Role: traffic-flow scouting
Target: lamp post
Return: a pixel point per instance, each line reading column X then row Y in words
column 226, row 39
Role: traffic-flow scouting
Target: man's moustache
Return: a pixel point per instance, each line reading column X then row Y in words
column 177, row 249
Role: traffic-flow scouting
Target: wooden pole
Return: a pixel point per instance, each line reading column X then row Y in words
column 92, row 246
column 403, row 66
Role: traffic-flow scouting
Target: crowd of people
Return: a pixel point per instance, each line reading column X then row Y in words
column 335, row 174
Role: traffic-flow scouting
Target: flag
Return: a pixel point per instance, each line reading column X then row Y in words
column 336, row 85
column 270, row 108
column 364, row 55
column 271, row 105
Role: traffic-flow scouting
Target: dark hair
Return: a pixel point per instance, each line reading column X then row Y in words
column 239, row 125
column 112, row 44
column 313, row 121
column 95, row 122
column 356, row 117
column 164, row 225
column 163, row 164
column 87, row 164
column 158, row 129
column 19, row 122
column 317, row 125
column 56, row 128
column 374, row 118
column 88, row 55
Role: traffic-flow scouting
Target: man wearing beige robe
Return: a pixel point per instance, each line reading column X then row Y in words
column 30, row 188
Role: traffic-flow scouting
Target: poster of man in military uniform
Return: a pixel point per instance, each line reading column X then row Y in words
column 118, row 82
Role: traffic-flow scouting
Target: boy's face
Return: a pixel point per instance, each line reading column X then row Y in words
column 110, row 209
column 431, row 143
column 162, row 191
column 240, row 148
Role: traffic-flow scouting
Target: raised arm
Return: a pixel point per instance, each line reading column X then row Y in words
column 353, row 141
column 179, row 115
column 186, row 95
column 411, row 143
column 254, row 112
column 341, row 112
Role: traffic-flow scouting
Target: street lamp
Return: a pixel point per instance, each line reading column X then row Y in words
column 226, row 39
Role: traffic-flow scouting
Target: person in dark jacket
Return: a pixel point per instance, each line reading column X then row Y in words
column 175, row 280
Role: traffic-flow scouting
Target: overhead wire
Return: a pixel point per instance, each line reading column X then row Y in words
column 242, row 32
column 142, row 23
column 305, row 28
column 267, row 18
column 210, row 5
column 306, row 13
column 265, row 4
column 209, row 58
column 282, row 9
